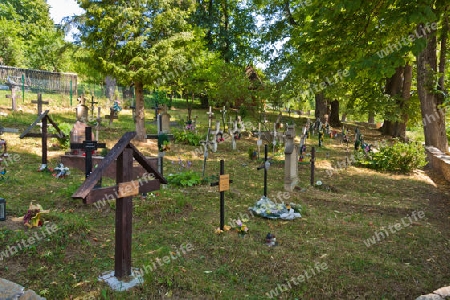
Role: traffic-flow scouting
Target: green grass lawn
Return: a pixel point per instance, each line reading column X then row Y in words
column 330, row 238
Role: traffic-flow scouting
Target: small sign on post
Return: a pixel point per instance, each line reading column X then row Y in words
column 224, row 185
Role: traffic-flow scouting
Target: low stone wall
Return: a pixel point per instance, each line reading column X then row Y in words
column 439, row 161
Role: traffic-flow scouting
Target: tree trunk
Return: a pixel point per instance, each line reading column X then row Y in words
column 371, row 118
column 400, row 126
column 140, row 114
column 433, row 117
column 344, row 117
column 394, row 89
column 204, row 102
column 334, row 115
column 321, row 107
column 110, row 87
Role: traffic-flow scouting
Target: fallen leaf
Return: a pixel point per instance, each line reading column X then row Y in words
column 95, row 239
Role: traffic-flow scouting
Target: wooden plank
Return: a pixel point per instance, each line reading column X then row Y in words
column 39, row 119
column 124, row 214
column 61, row 134
column 128, row 189
column 111, row 193
column 140, row 158
column 224, row 183
column 89, row 184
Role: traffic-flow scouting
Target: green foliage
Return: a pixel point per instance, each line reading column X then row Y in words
column 400, row 157
column 65, row 128
column 188, row 137
column 187, row 178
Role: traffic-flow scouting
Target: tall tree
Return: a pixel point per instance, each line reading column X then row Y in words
column 139, row 41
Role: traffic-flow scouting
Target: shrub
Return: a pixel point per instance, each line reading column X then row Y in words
column 187, row 178
column 65, row 128
column 400, row 157
column 187, row 137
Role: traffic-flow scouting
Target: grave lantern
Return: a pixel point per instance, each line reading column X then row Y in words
column 2, row 209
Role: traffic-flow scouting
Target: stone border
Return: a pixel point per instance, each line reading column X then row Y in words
column 439, row 161
column 439, row 294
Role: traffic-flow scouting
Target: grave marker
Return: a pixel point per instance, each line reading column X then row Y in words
column 45, row 118
column 291, row 160
column 81, row 110
column 92, row 106
column 313, row 162
column 161, row 137
column 259, row 141
column 88, row 146
column 224, row 112
column 265, row 166
column 39, row 103
column 124, row 151
column 224, row 185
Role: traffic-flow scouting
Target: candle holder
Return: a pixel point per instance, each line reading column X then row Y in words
column 2, row 209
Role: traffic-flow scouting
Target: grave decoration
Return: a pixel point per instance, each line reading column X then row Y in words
column 191, row 124
column 216, row 137
column 81, row 110
column 113, row 112
column 271, row 240
column 291, row 160
column 44, row 135
column 60, row 171
column 235, row 133
column 124, row 151
column 33, row 217
column 321, row 134
column 224, row 185
column 163, row 143
column 39, row 103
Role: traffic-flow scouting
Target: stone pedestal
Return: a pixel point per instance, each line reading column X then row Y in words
column 291, row 160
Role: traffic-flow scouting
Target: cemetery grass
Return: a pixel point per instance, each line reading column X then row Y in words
column 348, row 208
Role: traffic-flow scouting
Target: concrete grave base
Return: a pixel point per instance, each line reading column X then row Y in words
column 125, row 284
column 13, row 291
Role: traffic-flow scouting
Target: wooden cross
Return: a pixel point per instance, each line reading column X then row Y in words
column 39, row 103
column 45, row 118
column 223, row 111
column 13, row 97
column 210, row 116
column 88, row 146
column 124, row 190
column 224, row 185
column 158, row 137
column 205, row 144
column 112, row 115
column 265, row 166
column 92, row 105
column 5, row 129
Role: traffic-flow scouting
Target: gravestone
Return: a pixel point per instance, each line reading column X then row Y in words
column 77, row 135
column 235, row 134
column 291, row 160
column 124, row 190
column 165, row 121
column 278, row 123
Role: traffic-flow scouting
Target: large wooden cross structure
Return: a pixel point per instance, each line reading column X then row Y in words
column 45, row 118
column 124, row 190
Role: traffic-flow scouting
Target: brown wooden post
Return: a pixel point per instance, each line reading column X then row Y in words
column 124, row 208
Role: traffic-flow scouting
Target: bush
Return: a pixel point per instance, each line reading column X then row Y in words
column 187, row 178
column 65, row 128
column 188, row 137
column 401, row 157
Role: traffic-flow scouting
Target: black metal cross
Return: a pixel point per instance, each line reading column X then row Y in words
column 39, row 103
column 222, row 193
column 265, row 166
column 158, row 137
column 88, row 146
